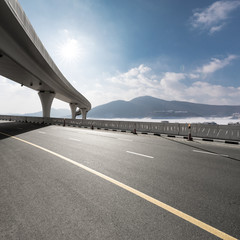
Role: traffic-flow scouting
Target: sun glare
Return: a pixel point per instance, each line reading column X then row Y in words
column 69, row 51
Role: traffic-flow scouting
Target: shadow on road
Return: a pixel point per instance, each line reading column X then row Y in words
column 16, row 128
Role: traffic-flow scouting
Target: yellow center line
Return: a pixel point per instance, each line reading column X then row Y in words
column 152, row 200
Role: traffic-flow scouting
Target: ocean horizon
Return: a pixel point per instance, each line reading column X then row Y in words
column 208, row 120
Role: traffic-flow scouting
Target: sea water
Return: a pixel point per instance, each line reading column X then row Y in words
column 209, row 120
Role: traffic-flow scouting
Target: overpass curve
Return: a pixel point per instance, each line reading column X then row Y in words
column 24, row 59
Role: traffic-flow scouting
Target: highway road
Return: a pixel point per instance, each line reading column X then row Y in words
column 73, row 183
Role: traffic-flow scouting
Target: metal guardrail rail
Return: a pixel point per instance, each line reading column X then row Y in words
column 223, row 132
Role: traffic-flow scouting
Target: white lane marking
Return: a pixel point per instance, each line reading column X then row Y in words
column 74, row 139
column 223, row 155
column 139, row 154
column 215, row 154
column 41, row 132
column 198, row 151
column 125, row 139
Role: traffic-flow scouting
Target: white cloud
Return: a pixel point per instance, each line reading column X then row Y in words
column 134, row 77
column 216, row 28
column 213, row 94
column 142, row 81
column 214, row 17
column 216, row 64
column 193, row 76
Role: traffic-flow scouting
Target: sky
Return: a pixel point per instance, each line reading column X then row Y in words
column 121, row 49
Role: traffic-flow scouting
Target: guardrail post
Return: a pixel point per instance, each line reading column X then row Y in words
column 189, row 133
column 134, row 130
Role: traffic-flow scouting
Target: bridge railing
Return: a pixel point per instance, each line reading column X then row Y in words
column 208, row 131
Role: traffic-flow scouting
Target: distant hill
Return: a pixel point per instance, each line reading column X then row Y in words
column 149, row 107
column 57, row 113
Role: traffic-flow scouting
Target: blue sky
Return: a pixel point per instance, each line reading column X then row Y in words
column 109, row 50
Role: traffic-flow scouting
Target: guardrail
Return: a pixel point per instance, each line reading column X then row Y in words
column 223, row 132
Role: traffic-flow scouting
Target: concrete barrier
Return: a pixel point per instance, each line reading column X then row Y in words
column 223, row 132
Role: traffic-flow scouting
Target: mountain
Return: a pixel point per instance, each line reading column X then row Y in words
column 150, row 107
column 57, row 113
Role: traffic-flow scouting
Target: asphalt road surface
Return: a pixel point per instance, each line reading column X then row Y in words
column 73, row 183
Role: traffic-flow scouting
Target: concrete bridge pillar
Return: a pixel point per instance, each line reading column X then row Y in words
column 46, row 100
column 84, row 113
column 73, row 107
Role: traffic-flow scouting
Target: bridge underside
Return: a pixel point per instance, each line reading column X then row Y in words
column 14, row 71
column 24, row 60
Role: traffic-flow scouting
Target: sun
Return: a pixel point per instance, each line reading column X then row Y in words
column 69, row 51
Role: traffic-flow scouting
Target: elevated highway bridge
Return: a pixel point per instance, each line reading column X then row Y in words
column 24, row 59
